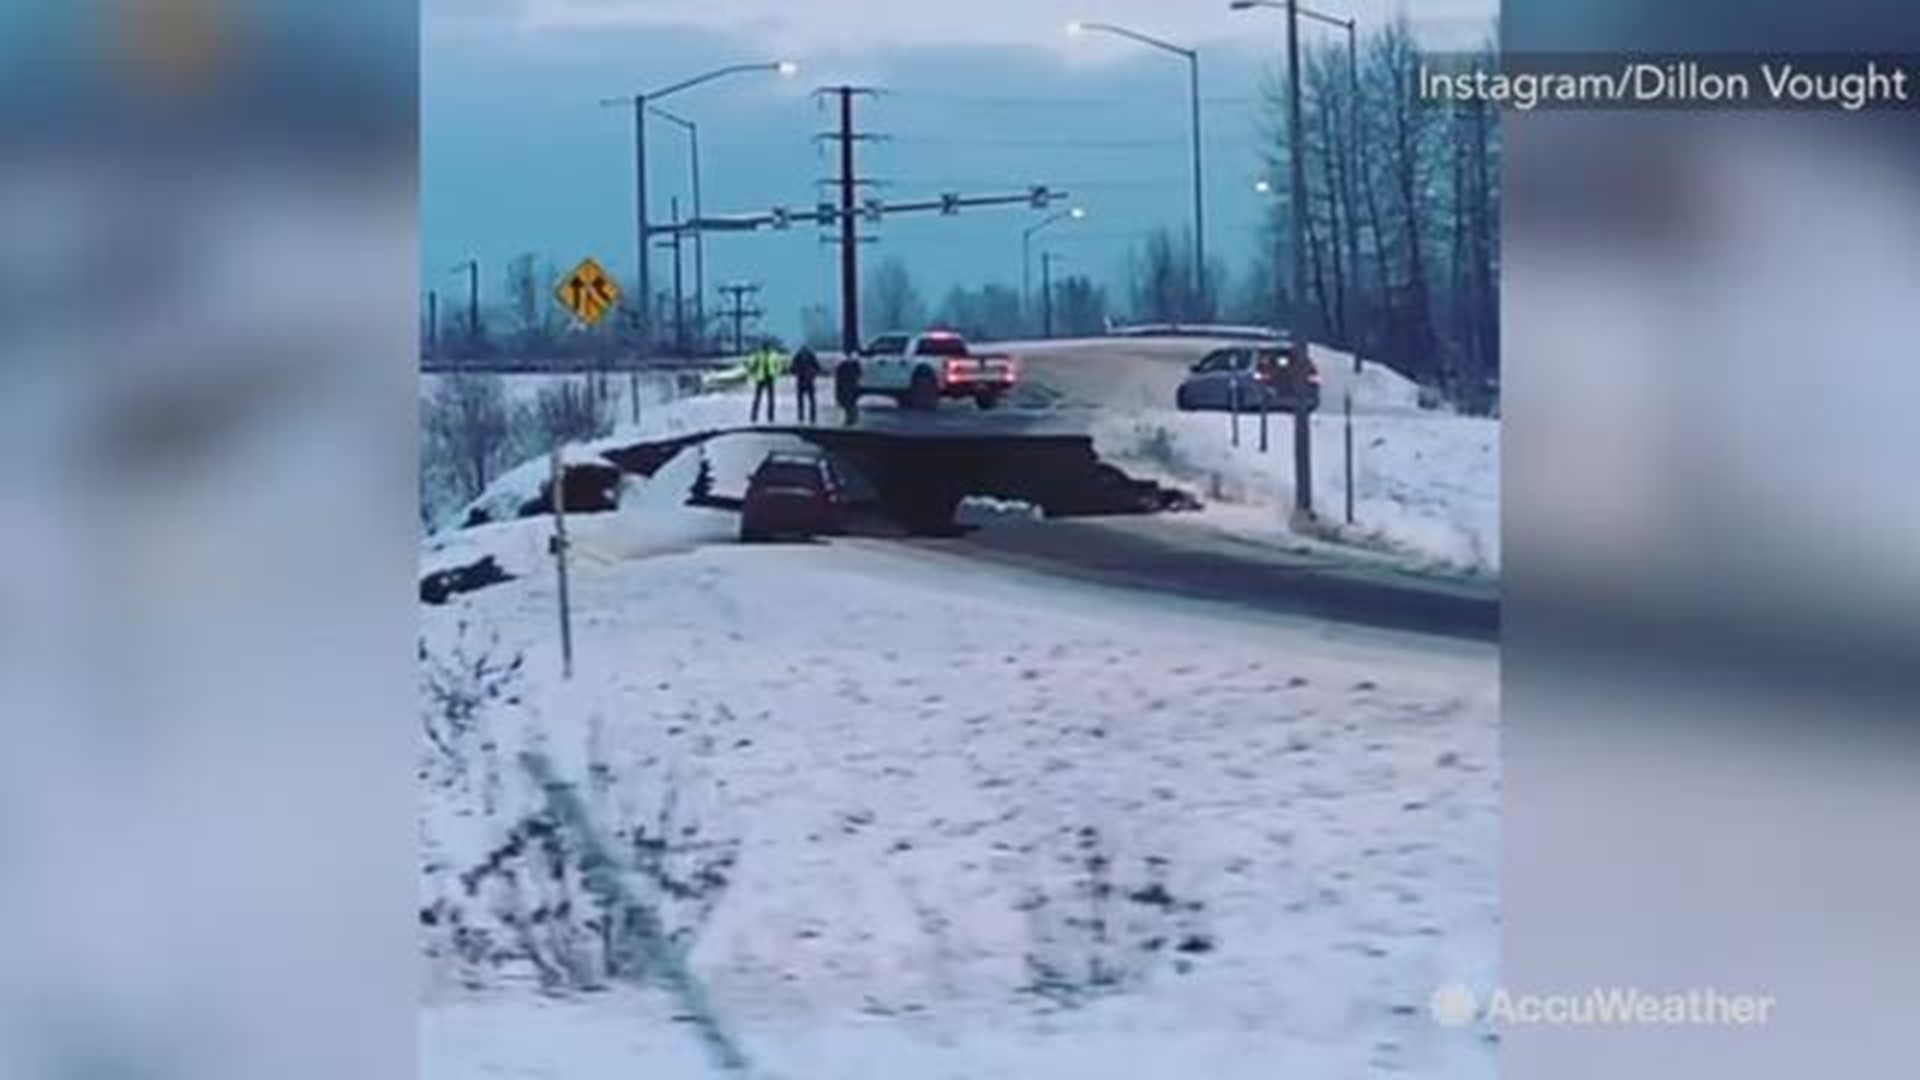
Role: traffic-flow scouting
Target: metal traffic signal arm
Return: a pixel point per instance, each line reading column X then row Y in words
column 1037, row 197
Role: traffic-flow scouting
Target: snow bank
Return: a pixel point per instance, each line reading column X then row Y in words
column 653, row 518
column 1426, row 484
column 984, row 510
column 912, row 782
column 1376, row 388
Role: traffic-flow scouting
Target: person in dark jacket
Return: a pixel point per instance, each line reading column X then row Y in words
column 846, row 390
column 806, row 369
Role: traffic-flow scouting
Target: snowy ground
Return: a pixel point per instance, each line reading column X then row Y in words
column 1426, row 484
column 921, row 773
column 1426, row 481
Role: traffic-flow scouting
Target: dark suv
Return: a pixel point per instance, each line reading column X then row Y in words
column 1252, row 378
column 792, row 495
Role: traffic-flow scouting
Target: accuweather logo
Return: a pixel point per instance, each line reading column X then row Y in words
column 1456, row 1005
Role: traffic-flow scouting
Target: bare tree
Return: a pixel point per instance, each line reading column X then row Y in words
column 469, row 430
column 574, row 411
column 1081, row 310
column 1399, row 225
column 1162, row 282
column 891, row 300
column 989, row 313
column 819, row 327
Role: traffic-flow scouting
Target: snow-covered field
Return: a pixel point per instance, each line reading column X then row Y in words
column 943, row 822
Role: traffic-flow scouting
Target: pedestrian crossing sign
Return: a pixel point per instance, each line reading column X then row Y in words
column 589, row 292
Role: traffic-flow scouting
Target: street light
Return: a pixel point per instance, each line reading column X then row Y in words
column 1026, row 247
column 1294, row 12
column 642, row 227
column 1193, row 84
column 699, row 235
column 1303, row 473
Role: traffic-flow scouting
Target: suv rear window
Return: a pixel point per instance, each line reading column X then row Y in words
column 789, row 474
column 942, row 345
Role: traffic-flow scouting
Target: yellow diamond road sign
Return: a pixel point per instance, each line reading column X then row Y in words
column 589, row 292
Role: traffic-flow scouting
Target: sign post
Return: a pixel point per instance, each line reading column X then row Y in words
column 1233, row 405
column 1348, row 405
column 559, row 547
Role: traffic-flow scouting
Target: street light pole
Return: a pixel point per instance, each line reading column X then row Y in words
column 643, row 271
column 1295, row 12
column 472, row 269
column 1192, row 57
column 1199, row 198
column 1026, row 250
column 699, row 236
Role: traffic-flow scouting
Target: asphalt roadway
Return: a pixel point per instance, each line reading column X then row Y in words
column 1183, row 558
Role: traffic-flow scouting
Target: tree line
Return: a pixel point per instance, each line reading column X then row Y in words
column 1401, row 217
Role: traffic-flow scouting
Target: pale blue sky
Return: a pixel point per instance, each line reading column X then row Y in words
column 984, row 96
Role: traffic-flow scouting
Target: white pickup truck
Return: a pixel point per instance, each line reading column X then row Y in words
column 917, row 370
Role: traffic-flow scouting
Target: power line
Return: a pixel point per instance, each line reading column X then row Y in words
column 947, row 183
column 1042, row 143
column 992, row 101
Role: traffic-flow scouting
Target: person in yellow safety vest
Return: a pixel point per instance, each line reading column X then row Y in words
column 764, row 368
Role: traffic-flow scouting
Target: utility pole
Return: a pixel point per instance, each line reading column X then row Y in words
column 849, row 183
column 679, row 284
column 1302, row 441
column 433, row 324
column 1353, row 244
column 738, row 312
column 849, row 228
column 1302, row 420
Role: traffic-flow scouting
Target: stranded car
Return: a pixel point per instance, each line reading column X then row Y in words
column 792, row 495
column 1251, row 378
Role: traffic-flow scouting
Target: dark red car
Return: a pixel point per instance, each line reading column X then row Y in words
column 793, row 495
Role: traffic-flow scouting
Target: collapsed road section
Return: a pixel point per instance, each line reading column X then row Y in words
column 909, row 481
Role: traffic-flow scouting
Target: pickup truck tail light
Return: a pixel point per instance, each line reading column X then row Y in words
column 963, row 370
